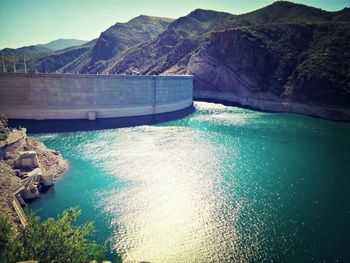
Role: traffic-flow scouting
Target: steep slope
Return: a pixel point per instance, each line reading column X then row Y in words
column 171, row 50
column 123, row 35
column 281, row 57
column 169, row 53
column 58, row 59
column 12, row 142
column 304, row 63
column 116, row 39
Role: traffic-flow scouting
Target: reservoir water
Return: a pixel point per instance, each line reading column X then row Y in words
column 223, row 184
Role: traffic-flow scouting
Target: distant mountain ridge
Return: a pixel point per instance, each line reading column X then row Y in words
column 28, row 50
column 60, row 44
column 275, row 58
column 42, row 48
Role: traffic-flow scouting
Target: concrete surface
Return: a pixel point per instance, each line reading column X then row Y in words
column 70, row 96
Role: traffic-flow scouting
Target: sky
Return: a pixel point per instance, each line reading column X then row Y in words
column 28, row 22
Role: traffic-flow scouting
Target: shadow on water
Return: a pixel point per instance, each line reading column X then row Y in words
column 49, row 126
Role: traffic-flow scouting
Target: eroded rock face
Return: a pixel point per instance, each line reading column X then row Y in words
column 122, row 36
column 170, row 51
column 30, row 154
column 156, row 58
column 269, row 59
column 250, row 63
column 233, row 62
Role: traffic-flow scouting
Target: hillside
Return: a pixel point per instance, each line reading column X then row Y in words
column 42, row 48
column 29, row 50
column 287, row 12
column 55, row 60
column 43, row 57
column 116, row 39
column 171, row 50
column 273, row 58
column 304, row 63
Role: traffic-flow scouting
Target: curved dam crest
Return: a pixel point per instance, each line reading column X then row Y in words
column 69, row 96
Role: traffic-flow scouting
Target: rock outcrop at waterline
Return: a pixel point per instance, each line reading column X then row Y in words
column 301, row 68
column 12, row 171
column 284, row 57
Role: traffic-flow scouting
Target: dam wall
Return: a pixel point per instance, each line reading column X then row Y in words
column 69, row 96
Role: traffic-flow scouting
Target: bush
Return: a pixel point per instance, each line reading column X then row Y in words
column 54, row 239
column 8, row 245
column 3, row 127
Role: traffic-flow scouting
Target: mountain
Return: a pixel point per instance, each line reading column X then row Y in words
column 186, row 36
column 45, row 61
column 116, row 39
column 43, row 57
column 283, row 57
column 58, row 59
column 287, row 12
column 92, row 56
column 279, row 63
column 29, row 50
column 63, row 43
column 42, row 48
column 170, row 51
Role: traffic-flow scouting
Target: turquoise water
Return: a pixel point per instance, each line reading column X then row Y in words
column 222, row 185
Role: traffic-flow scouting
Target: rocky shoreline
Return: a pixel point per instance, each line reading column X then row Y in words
column 13, row 143
column 260, row 104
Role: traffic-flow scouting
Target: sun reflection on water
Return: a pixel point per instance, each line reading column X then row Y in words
column 221, row 185
column 174, row 207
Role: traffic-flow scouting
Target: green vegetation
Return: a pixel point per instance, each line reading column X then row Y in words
column 53, row 239
column 3, row 127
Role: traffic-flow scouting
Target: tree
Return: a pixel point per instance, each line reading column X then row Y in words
column 8, row 244
column 59, row 240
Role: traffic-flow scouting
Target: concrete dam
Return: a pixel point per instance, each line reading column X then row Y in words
column 68, row 96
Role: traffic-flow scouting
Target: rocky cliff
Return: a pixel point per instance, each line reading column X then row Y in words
column 284, row 57
column 169, row 53
column 116, row 39
column 281, row 64
column 12, row 142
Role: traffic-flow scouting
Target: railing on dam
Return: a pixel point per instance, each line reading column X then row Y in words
column 70, row 96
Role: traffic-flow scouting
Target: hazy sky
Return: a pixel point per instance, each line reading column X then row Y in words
column 27, row 22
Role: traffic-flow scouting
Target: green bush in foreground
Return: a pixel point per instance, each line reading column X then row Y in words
column 4, row 130
column 54, row 239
